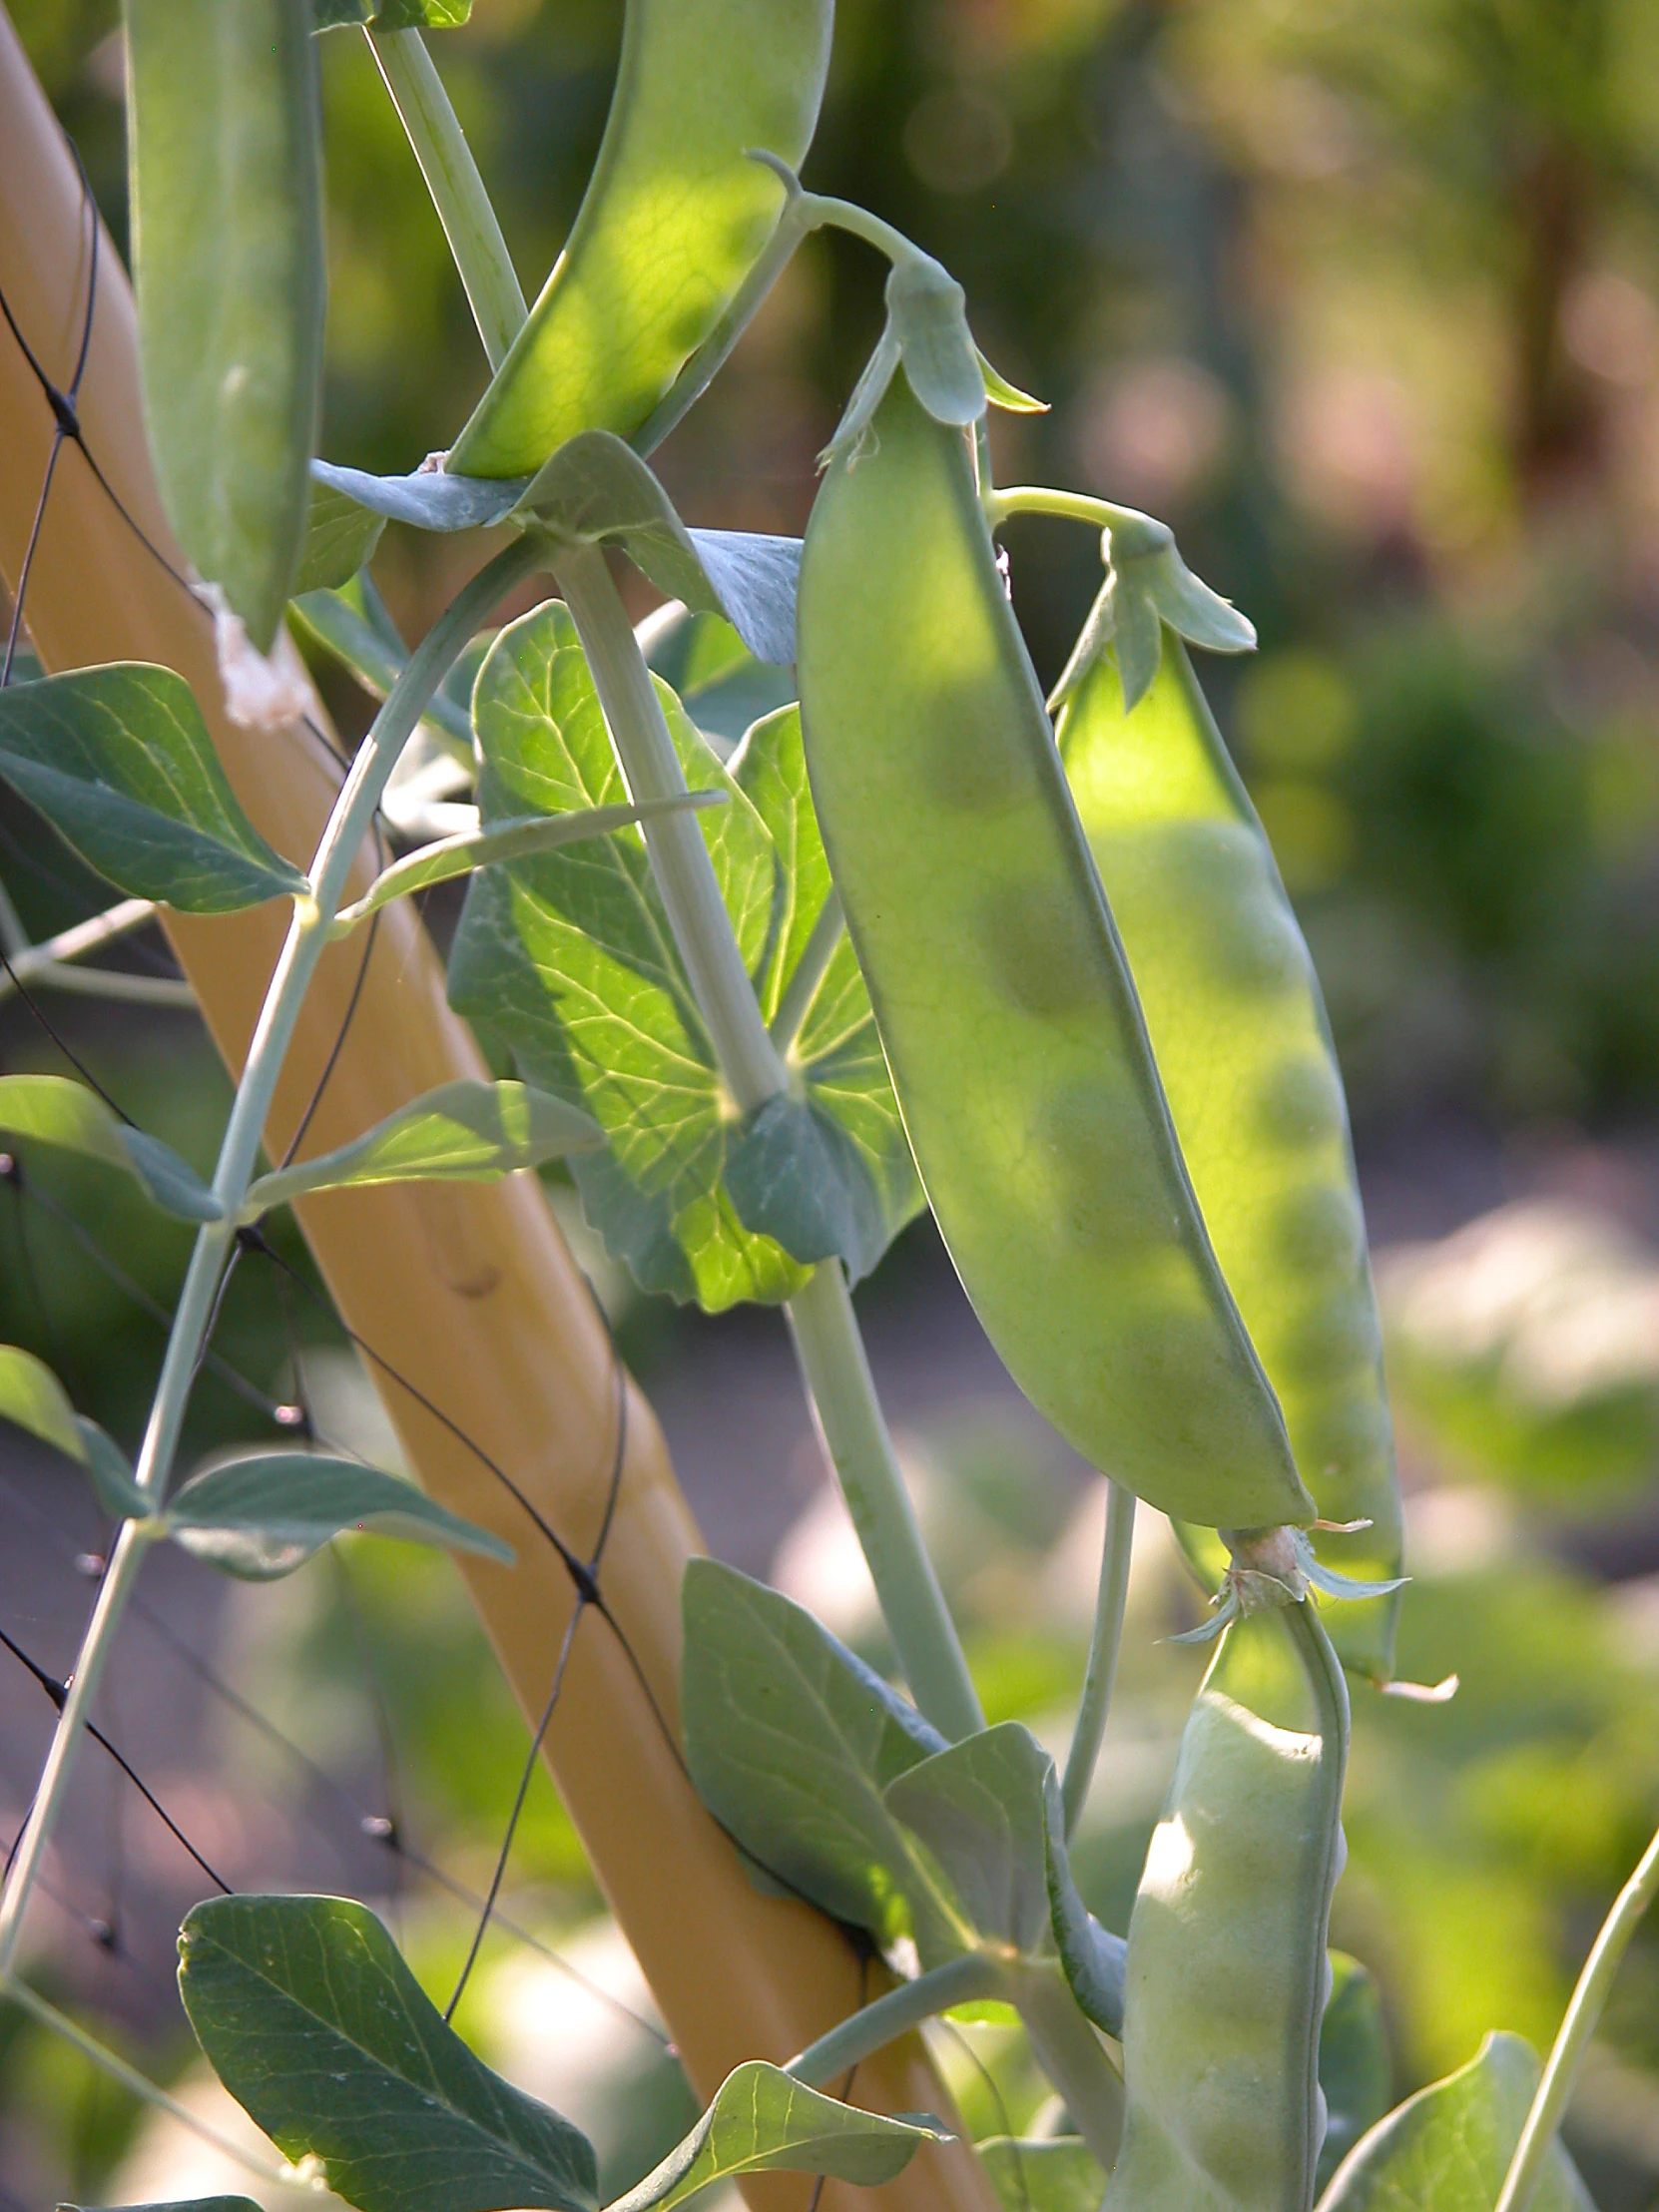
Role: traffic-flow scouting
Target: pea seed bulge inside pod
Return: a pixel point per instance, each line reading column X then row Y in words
column 1010, row 1024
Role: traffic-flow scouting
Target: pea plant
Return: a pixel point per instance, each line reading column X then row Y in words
column 919, row 938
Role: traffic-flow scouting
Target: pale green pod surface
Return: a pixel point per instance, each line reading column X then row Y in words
column 1225, row 1974
column 1238, row 1025
column 674, row 218
column 1002, row 997
column 227, row 224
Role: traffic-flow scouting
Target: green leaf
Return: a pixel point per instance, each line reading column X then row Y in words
column 226, row 228
column 184, row 2204
column 351, row 625
column 792, row 1741
column 393, row 15
column 720, row 683
column 263, row 1516
column 109, row 1473
column 1355, row 2072
column 1447, row 2148
column 571, row 957
column 762, row 2121
column 1057, row 2173
column 320, row 2033
column 793, row 1176
column 977, row 1806
column 513, row 840
column 119, row 762
column 340, row 537
column 32, row 1399
column 1091, row 1956
column 462, row 1132
column 596, row 490
column 54, row 1110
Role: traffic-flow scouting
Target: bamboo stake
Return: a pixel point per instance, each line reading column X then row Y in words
column 470, row 1291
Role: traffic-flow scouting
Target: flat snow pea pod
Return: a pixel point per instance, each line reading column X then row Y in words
column 674, row 219
column 1226, row 1976
column 1002, row 996
column 1238, row 1025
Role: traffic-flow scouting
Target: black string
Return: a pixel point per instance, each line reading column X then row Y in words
column 339, row 1045
column 58, row 1693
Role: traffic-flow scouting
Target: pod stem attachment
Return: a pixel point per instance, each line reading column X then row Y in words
column 826, row 1340
column 1104, row 1638
column 464, row 206
column 1578, row 2024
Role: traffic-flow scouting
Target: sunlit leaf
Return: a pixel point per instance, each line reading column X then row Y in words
column 1447, row 2148
column 571, row 957
column 320, row 2033
column 762, row 2121
column 119, row 762
column 462, row 1132
column 393, row 15
column 54, row 1110
column 227, row 229
column 263, row 1516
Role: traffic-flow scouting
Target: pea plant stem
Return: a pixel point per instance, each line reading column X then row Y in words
column 1073, row 507
column 1073, row 2057
column 957, row 1981
column 827, row 1339
column 347, row 826
column 464, row 206
column 1104, row 1639
column 1584, row 2009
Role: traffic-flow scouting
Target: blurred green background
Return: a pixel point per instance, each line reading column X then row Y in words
column 1366, row 302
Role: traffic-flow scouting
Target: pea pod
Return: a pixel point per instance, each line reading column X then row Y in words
column 1002, row 996
column 1233, row 1011
column 1225, row 1974
column 674, row 219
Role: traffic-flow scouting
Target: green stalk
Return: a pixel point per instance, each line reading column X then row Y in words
column 957, row 1981
column 1584, row 2009
column 464, row 209
column 1103, row 1651
column 348, row 824
column 827, row 1338
column 1330, row 1691
column 1073, row 2057
column 140, row 2085
column 831, row 1356
column 1073, row 507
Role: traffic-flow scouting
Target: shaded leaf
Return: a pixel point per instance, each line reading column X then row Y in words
column 226, row 230
column 462, row 1132
column 1092, row 1958
column 791, row 1177
column 109, row 1473
column 54, row 1110
column 1057, row 2173
column 339, row 536
column 718, row 681
column 570, row 956
column 320, row 2033
column 263, row 1516
column 792, row 1741
column 430, row 498
column 119, row 762
column 1447, row 2148
column 978, row 1808
column 184, row 2204
column 1355, row 2071
column 762, row 2121
column 351, row 625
